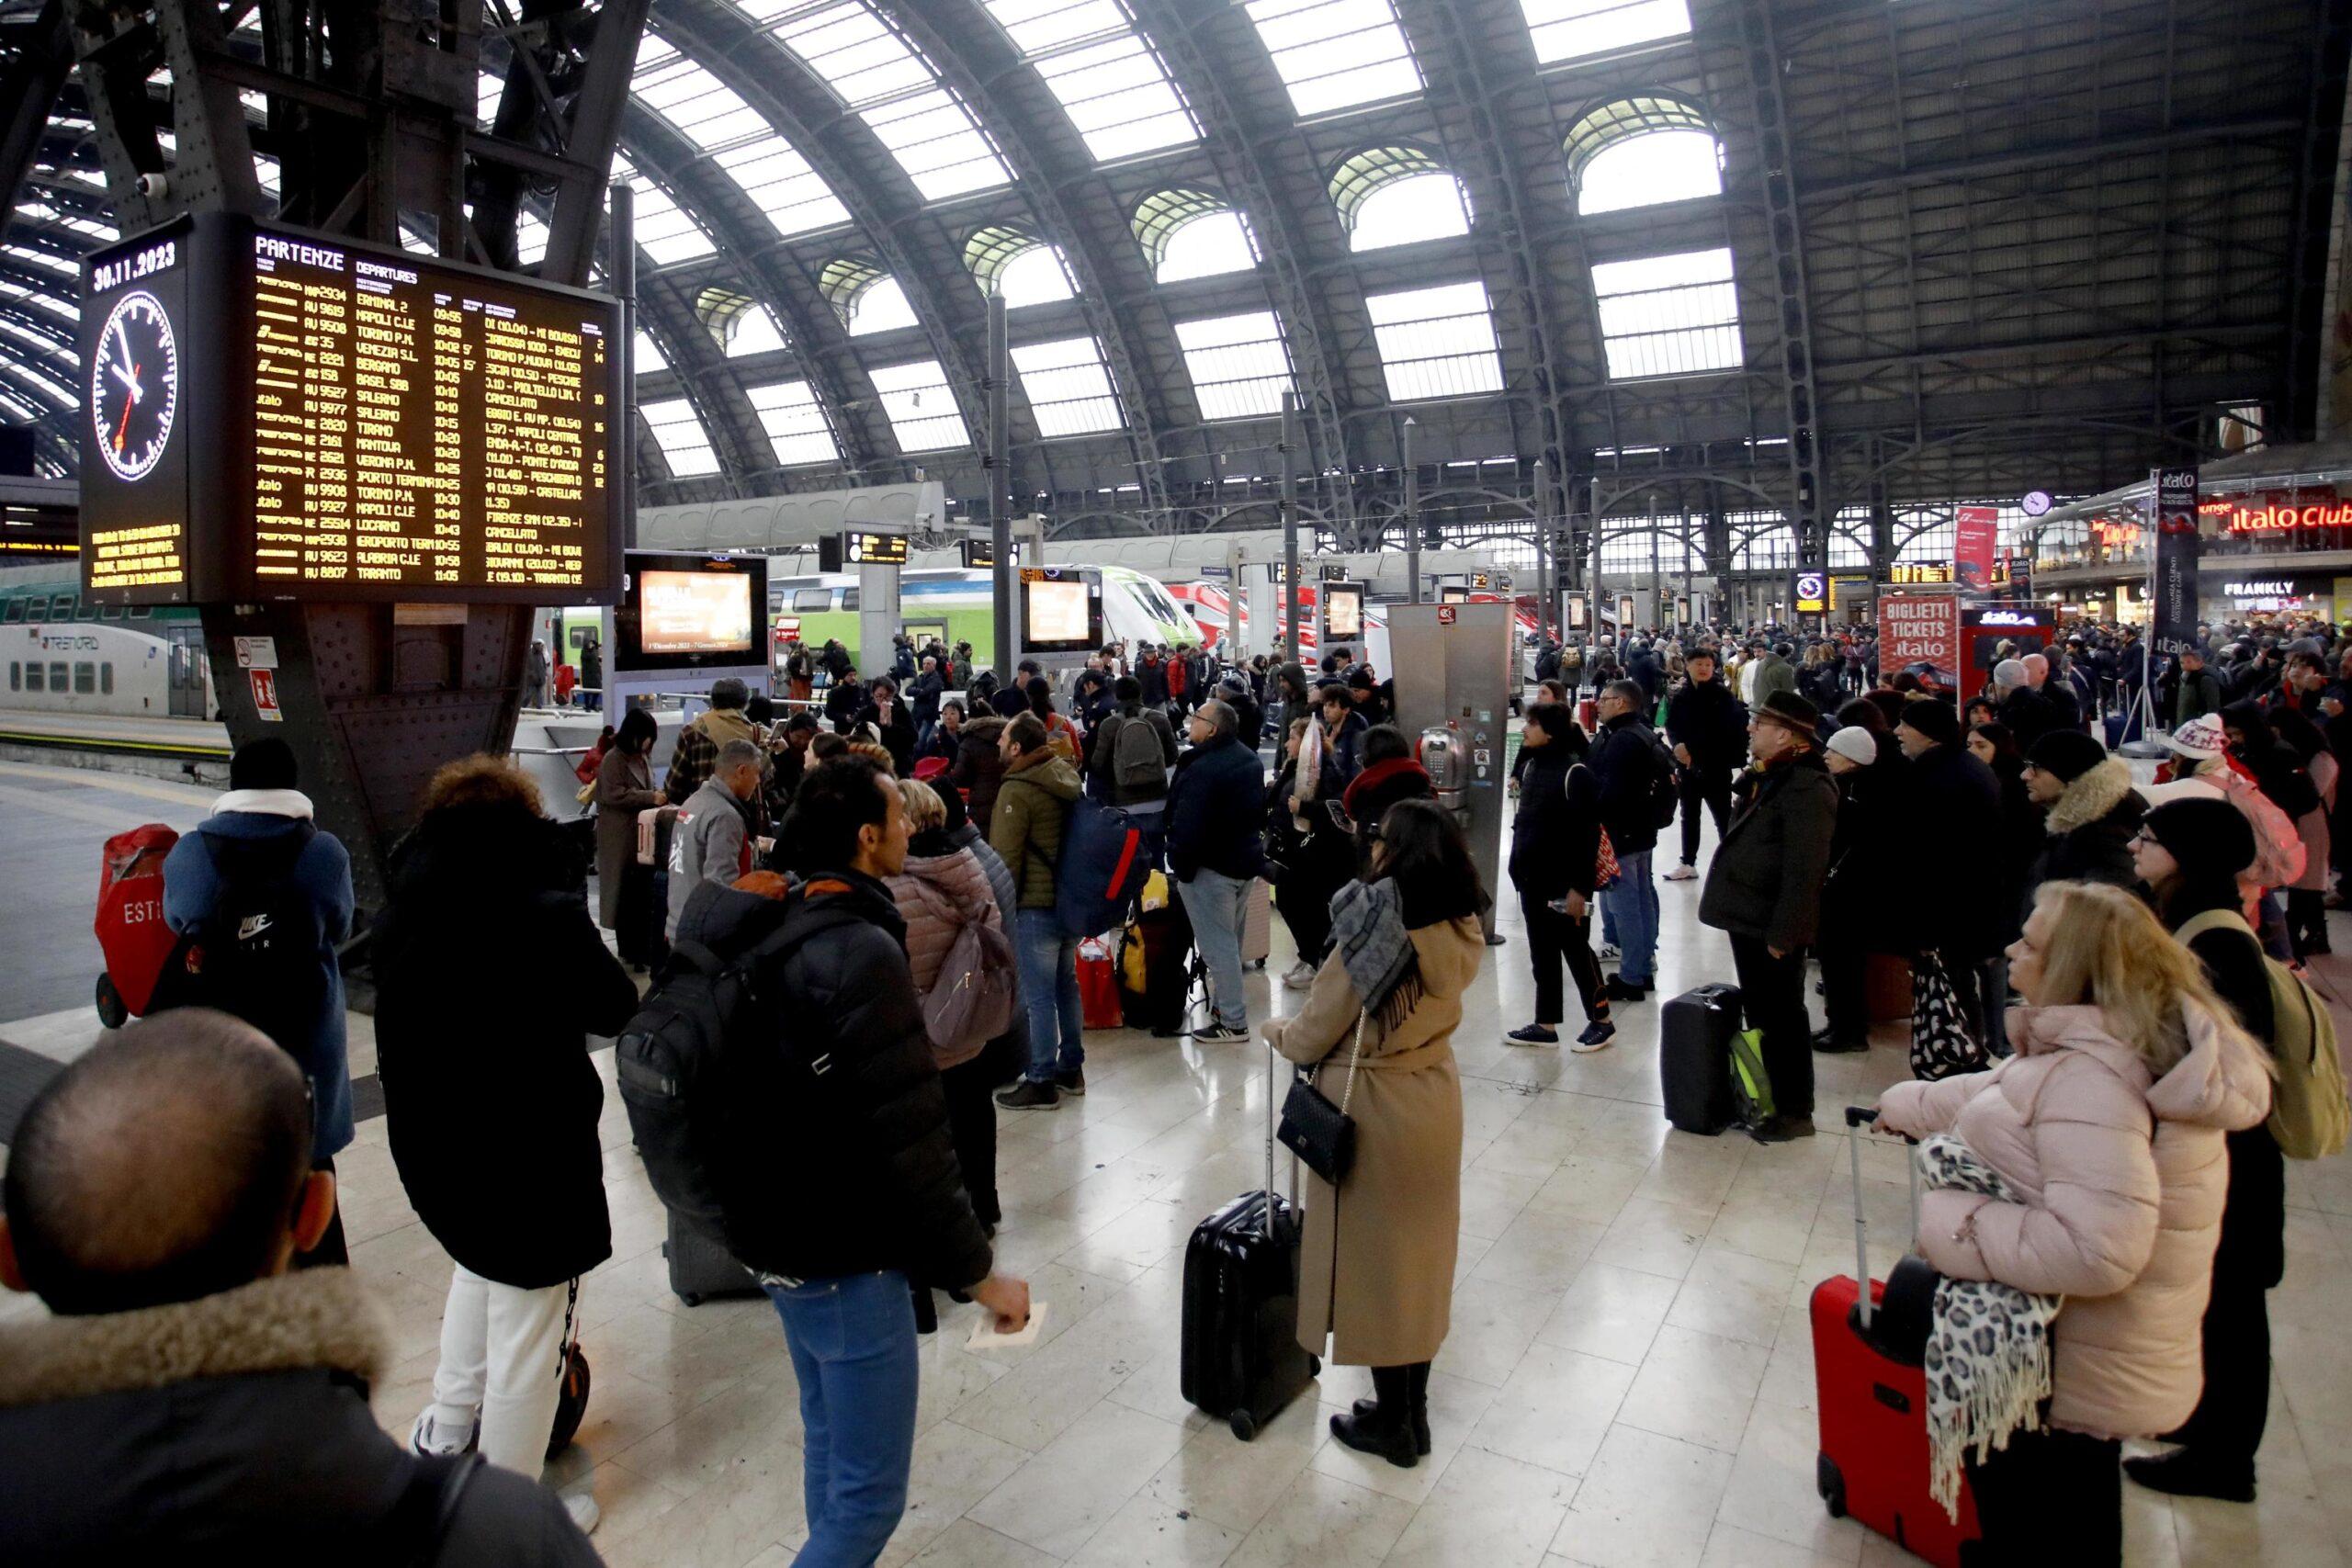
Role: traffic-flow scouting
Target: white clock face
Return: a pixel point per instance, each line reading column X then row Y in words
column 134, row 385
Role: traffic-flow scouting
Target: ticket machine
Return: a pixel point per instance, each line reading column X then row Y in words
column 1452, row 667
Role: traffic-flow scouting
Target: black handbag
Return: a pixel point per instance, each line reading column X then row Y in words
column 1320, row 1133
column 572, row 1373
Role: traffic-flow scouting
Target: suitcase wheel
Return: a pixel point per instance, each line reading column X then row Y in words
column 111, row 1010
column 691, row 1297
column 1244, row 1425
column 1831, row 1483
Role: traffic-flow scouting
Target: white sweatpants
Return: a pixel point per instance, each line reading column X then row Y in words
column 500, row 1348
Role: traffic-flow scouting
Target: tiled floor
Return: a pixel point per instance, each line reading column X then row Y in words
column 1628, row 1384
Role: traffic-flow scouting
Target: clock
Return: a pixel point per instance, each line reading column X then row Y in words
column 134, row 385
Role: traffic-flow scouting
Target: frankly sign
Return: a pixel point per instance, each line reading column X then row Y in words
column 1916, row 627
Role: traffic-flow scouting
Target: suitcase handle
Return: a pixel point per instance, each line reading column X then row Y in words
column 1859, row 1116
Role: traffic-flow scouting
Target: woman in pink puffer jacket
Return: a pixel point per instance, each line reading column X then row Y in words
column 2108, row 1123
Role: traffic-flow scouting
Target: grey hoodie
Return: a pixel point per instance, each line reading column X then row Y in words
column 711, row 843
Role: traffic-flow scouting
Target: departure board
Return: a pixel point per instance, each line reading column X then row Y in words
column 393, row 427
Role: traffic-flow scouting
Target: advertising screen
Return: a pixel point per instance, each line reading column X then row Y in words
column 284, row 416
column 687, row 612
column 683, row 611
column 1343, row 610
column 1056, row 612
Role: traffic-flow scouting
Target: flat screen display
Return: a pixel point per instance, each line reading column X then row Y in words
column 1343, row 609
column 1061, row 612
column 689, row 611
column 368, row 424
column 859, row 548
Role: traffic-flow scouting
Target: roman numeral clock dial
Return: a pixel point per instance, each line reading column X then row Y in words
column 134, row 386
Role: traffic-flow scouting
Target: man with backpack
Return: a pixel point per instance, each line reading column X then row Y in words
column 1215, row 812
column 1033, row 805
column 261, row 899
column 1637, row 800
column 1131, row 751
column 712, row 840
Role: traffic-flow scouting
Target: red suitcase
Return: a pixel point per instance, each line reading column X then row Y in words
column 1872, row 1464
column 130, row 923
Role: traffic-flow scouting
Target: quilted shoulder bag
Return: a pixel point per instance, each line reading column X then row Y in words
column 1320, row 1133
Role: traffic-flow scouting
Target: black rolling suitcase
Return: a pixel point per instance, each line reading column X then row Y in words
column 1695, row 1032
column 1241, row 1360
column 702, row 1268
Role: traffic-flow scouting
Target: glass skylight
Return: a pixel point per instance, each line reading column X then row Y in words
column 681, row 437
column 1404, row 211
column 649, row 353
column 1208, row 247
column 794, row 423
column 1572, row 29
column 755, row 332
column 715, row 117
column 1649, row 168
column 893, row 89
column 1068, row 386
column 1240, row 365
column 1335, row 55
column 1674, row 315
column 921, row 410
column 1437, row 343
column 43, row 211
column 880, row 306
column 1023, row 267
column 664, row 232
column 1102, row 71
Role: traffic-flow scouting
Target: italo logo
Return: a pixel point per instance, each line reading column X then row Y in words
column 2006, row 618
column 2272, row 518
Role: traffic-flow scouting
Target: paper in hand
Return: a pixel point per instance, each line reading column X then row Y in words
column 986, row 1337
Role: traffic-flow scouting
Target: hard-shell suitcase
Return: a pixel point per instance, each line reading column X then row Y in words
column 1257, row 923
column 130, row 925
column 701, row 1267
column 1241, row 1356
column 654, row 826
column 1872, row 1464
column 1695, row 1033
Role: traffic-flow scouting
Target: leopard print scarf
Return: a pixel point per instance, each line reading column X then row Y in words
column 1988, row 1358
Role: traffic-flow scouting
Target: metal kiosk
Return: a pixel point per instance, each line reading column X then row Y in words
column 1452, row 670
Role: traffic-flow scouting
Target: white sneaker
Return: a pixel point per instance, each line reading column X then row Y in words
column 1683, row 873
column 426, row 1437
column 1608, row 950
column 581, row 1506
column 1299, row 976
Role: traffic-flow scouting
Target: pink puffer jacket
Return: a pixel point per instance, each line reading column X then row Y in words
column 2123, row 1181
column 938, row 895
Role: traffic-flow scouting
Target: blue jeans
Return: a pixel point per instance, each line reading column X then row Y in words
column 1050, row 990
column 1633, row 898
column 853, row 1343
column 1216, row 904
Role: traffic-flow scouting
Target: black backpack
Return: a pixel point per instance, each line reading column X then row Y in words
column 705, row 1052
column 256, row 955
column 1665, row 793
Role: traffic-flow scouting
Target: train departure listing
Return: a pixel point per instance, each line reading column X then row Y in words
column 418, row 428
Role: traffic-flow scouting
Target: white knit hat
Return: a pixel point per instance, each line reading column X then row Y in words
column 1855, row 744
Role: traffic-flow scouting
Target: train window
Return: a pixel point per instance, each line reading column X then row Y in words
column 106, row 679
column 140, row 612
column 808, row 600
column 37, row 609
column 33, row 677
column 849, row 598
column 16, row 612
column 57, row 677
column 109, row 612
column 86, row 611
column 85, row 679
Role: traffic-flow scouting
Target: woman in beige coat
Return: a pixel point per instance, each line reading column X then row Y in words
column 624, row 788
column 2108, row 1123
column 1376, row 1272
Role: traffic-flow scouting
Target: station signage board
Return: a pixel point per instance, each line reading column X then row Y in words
column 1921, row 629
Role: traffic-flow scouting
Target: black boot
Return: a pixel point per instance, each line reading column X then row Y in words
column 1368, row 1411
column 1383, row 1425
column 2184, row 1473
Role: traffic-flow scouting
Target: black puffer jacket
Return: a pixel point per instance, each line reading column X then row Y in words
column 1628, row 759
column 978, row 767
column 868, row 1181
column 235, row 1428
column 1711, row 722
column 1953, row 815
column 2087, row 835
column 1556, row 836
column 490, row 1099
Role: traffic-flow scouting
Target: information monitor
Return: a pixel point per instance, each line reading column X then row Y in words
column 684, row 610
column 1061, row 610
column 275, row 414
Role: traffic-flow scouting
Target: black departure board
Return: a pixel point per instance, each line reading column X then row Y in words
column 393, row 427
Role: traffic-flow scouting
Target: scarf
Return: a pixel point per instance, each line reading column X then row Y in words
column 1368, row 928
column 1988, row 1358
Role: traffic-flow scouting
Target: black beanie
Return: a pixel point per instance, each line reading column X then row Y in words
column 2209, row 838
column 1933, row 717
column 2069, row 753
column 266, row 763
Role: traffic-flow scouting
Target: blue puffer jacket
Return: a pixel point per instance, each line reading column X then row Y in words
column 1216, row 809
column 323, row 871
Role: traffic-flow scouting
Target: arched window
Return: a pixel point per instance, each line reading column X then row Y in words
column 866, row 299
column 1023, row 267
column 1395, row 196
column 741, row 324
column 1640, row 152
column 1192, row 233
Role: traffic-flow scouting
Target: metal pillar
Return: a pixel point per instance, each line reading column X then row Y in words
column 1000, row 512
column 1542, row 551
column 1412, row 514
column 1289, row 526
column 623, row 273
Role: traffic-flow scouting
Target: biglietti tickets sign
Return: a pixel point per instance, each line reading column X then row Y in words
column 1921, row 629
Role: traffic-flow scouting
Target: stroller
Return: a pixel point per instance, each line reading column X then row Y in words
column 130, row 924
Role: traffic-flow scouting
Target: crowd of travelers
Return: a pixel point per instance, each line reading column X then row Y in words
column 2104, row 976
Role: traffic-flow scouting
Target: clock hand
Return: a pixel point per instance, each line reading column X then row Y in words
column 122, row 430
column 130, row 381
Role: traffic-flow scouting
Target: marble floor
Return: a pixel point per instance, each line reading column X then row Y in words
column 1628, row 1383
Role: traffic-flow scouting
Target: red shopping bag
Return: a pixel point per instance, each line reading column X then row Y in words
column 1098, row 986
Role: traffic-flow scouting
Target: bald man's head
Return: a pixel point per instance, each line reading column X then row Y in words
column 165, row 1165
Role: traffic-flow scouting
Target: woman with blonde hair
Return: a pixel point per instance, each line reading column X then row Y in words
column 2091, row 1174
